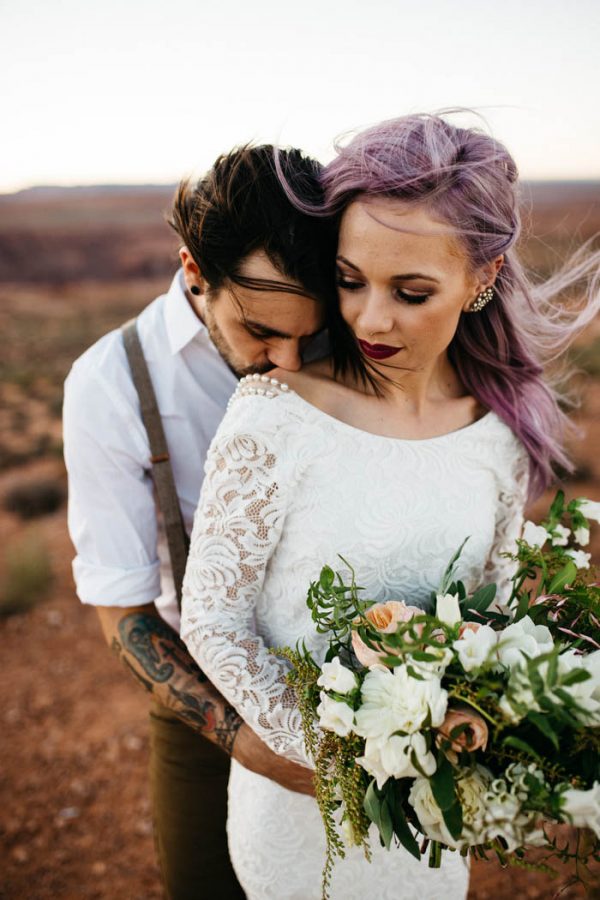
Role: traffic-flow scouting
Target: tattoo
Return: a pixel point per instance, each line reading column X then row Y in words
column 143, row 681
column 171, row 675
column 153, row 644
column 227, row 731
column 203, row 715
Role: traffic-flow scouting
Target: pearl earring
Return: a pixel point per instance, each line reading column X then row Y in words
column 482, row 300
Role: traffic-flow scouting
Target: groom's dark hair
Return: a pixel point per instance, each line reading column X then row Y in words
column 239, row 207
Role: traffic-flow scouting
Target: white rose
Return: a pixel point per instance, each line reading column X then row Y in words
column 394, row 701
column 335, row 716
column 582, row 808
column 428, row 812
column 523, row 638
column 336, row 677
column 534, row 535
column 447, row 609
column 582, row 536
column 472, row 789
column 589, row 508
column 580, row 558
column 393, row 758
column 560, row 536
column 474, row 647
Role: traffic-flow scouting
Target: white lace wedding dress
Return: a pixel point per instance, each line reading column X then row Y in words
column 287, row 488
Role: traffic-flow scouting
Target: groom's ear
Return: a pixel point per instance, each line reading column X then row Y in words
column 191, row 272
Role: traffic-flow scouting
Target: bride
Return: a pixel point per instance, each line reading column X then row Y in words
column 430, row 422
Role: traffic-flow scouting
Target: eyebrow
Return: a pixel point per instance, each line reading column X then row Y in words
column 408, row 276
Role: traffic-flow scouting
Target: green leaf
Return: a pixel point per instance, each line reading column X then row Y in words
column 372, row 804
column 519, row 744
column 542, row 724
column 386, row 829
column 558, row 505
column 401, row 827
column 442, row 783
column 566, row 575
column 447, row 576
column 453, row 818
column 482, row 598
column 327, row 578
column 575, row 677
column 522, row 606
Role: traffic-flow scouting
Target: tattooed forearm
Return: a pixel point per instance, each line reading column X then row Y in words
column 160, row 662
column 156, row 647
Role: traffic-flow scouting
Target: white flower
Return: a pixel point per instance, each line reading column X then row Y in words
column 580, row 558
column 447, row 609
column 582, row 535
column 393, row 758
column 348, row 833
column 471, row 789
column 336, row 677
column 428, row 812
column 474, row 647
column 433, row 668
column 534, row 535
column 506, row 814
column 589, row 508
column 523, row 638
column 560, row 536
column 582, row 808
column 394, row 701
column 335, row 716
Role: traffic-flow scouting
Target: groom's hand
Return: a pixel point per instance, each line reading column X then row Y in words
column 251, row 752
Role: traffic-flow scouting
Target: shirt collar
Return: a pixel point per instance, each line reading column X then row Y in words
column 182, row 323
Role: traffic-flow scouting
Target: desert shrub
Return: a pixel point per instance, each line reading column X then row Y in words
column 26, row 573
column 34, row 498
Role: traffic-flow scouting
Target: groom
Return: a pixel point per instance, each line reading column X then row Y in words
column 251, row 294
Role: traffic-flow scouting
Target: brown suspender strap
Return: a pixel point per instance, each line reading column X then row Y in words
column 162, row 473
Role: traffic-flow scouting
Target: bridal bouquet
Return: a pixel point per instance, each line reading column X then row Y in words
column 470, row 728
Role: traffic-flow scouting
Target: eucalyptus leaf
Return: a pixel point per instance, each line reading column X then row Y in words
column 512, row 741
column 564, row 576
column 442, row 783
column 543, row 725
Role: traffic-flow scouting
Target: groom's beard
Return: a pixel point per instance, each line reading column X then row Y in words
column 238, row 366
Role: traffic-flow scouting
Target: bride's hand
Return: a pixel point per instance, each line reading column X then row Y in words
column 251, row 752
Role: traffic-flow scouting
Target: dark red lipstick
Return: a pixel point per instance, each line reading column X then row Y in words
column 378, row 351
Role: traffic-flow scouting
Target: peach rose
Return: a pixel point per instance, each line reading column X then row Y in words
column 385, row 618
column 474, row 737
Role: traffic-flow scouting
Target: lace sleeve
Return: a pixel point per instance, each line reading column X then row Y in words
column 509, row 522
column 236, row 529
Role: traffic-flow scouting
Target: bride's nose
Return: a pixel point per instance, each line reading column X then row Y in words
column 376, row 315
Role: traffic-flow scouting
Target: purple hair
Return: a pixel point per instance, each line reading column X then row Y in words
column 469, row 180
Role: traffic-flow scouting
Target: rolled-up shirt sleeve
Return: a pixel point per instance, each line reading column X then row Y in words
column 112, row 513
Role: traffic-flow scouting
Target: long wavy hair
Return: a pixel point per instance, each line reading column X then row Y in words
column 469, row 180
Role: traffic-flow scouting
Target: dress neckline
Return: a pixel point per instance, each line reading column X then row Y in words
column 270, row 387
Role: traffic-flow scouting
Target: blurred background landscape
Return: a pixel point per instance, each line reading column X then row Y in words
column 74, row 263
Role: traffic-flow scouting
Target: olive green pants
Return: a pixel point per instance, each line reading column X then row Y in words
column 189, row 790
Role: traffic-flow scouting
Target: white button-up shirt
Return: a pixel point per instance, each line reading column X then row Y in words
column 122, row 557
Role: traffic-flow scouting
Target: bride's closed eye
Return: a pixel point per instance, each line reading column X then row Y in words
column 348, row 285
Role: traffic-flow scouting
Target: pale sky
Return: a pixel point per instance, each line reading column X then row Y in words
column 134, row 91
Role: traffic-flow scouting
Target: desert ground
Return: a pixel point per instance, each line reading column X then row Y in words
column 75, row 818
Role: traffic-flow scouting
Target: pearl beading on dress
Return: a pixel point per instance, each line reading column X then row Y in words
column 261, row 385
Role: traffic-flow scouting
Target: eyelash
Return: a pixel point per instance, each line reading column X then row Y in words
column 408, row 298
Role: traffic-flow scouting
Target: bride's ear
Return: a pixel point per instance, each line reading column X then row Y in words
column 485, row 277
